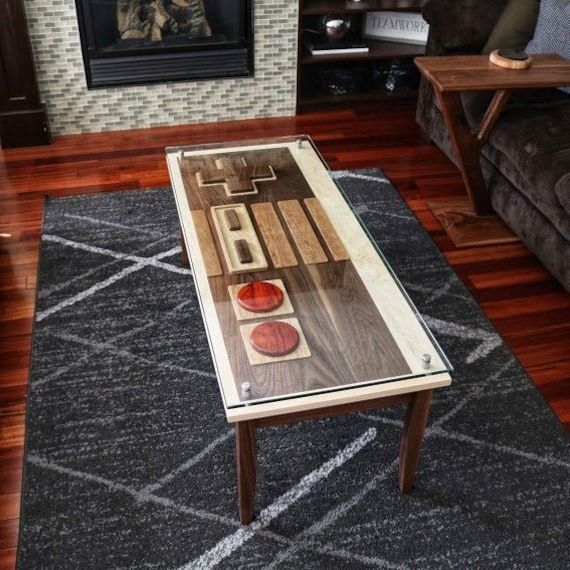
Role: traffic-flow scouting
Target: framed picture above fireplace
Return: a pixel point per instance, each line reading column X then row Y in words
column 134, row 42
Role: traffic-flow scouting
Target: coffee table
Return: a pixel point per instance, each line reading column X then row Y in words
column 329, row 330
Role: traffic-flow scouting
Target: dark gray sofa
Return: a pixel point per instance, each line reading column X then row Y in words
column 526, row 162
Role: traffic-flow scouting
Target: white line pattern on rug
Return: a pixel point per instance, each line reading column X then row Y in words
column 347, row 174
column 105, row 283
column 341, row 509
column 187, row 464
column 123, row 256
column 146, row 497
column 97, row 221
column 63, row 369
column 474, row 392
column 547, row 460
column 434, row 295
column 113, row 486
column 234, row 541
column 457, row 436
column 123, row 352
column 294, row 545
column 42, row 293
column 489, row 340
column 333, row 515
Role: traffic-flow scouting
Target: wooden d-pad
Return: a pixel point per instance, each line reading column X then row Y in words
column 237, row 177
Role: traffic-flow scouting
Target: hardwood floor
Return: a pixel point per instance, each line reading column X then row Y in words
column 529, row 308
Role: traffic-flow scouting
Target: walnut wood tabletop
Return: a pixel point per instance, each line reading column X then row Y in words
column 452, row 75
column 477, row 73
column 311, row 322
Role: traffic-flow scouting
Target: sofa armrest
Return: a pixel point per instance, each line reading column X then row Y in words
column 460, row 26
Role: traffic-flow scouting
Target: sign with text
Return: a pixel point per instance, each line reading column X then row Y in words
column 404, row 27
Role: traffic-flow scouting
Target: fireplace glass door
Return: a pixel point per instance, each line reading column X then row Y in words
column 143, row 41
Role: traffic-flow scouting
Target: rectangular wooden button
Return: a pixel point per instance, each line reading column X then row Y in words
column 274, row 235
column 327, row 230
column 304, row 237
column 243, row 251
column 232, row 220
column 235, row 254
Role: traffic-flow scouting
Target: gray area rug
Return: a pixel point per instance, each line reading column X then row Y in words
column 129, row 459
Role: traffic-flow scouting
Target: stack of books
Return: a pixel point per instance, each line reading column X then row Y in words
column 319, row 45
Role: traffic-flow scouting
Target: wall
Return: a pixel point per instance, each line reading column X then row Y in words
column 72, row 108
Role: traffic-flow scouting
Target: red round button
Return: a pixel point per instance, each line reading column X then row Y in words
column 274, row 338
column 260, row 297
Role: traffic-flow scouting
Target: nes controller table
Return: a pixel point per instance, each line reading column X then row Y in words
column 304, row 317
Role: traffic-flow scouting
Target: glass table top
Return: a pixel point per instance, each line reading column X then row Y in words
column 298, row 301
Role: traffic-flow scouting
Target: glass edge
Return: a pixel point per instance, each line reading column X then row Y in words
column 241, row 143
column 343, row 388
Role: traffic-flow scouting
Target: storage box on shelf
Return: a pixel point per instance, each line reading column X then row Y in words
column 338, row 78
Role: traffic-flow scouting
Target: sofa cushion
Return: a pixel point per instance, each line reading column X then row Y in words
column 515, row 27
column 552, row 34
column 460, row 26
column 535, row 230
column 530, row 144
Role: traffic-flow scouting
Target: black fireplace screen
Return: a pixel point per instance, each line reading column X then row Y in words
column 142, row 41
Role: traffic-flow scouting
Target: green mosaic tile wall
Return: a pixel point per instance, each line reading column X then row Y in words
column 73, row 108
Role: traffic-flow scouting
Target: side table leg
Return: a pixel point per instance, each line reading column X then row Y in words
column 184, row 254
column 245, row 464
column 416, row 420
column 467, row 150
column 500, row 99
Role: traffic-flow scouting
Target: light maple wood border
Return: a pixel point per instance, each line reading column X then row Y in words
column 336, row 398
column 395, row 309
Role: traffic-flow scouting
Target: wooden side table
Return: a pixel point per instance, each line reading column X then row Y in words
column 452, row 75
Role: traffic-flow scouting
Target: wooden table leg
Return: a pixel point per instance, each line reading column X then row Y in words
column 184, row 254
column 416, row 420
column 467, row 149
column 494, row 110
column 467, row 145
column 470, row 221
column 245, row 464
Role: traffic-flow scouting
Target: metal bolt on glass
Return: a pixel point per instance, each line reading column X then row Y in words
column 426, row 359
column 299, row 143
column 246, row 389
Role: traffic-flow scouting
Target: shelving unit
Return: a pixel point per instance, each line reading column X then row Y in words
column 363, row 96
column 310, row 95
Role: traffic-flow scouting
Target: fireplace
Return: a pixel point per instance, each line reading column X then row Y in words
column 133, row 42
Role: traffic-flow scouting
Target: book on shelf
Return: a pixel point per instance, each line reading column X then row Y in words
column 317, row 45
